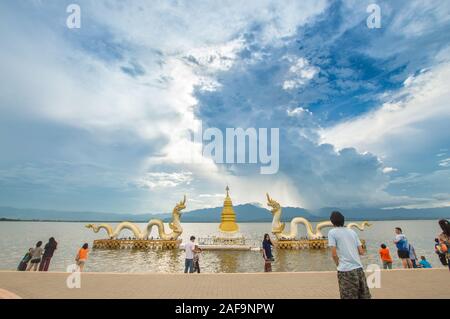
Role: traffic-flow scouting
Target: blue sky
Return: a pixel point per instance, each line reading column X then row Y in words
column 94, row 119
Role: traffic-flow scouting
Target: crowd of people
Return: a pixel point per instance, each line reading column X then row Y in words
column 346, row 249
column 38, row 258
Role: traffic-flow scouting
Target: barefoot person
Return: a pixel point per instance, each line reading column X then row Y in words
column 36, row 255
column 267, row 253
column 345, row 250
column 82, row 256
column 49, row 249
column 402, row 248
column 189, row 258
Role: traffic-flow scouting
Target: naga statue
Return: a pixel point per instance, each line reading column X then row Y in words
column 174, row 225
column 278, row 227
column 114, row 233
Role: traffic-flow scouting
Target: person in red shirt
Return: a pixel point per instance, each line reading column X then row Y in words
column 385, row 257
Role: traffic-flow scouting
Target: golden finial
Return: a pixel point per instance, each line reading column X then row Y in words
column 227, row 189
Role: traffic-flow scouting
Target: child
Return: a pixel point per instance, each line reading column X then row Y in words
column 385, row 257
column 82, row 256
column 424, row 263
column 24, row 262
column 197, row 251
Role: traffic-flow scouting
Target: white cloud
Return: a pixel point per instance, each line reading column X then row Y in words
column 154, row 180
column 445, row 162
column 425, row 99
column 298, row 111
column 299, row 73
column 388, row 170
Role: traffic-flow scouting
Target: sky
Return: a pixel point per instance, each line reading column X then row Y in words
column 95, row 118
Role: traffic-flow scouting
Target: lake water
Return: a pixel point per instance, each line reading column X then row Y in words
column 17, row 237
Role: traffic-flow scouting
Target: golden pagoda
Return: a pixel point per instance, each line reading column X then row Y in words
column 228, row 221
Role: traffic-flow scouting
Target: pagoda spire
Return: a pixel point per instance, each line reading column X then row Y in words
column 228, row 219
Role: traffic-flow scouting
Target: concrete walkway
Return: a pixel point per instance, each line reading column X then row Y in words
column 418, row 283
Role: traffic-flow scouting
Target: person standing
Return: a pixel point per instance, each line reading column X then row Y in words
column 441, row 254
column 385, row 257
column 189, row 258
column 36, row 254
column 49, row 249
column 444, row 239
column 402, row 248
column 412, row 256
column 82, row 256
column 196, row 260
column 267, row 253
column 346, row 249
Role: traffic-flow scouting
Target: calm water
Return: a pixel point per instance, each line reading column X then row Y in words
column 17, row 237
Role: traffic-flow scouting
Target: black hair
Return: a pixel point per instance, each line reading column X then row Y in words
column 52, row 240
column 383, row 246
column 39, row 244
column 192, row 237
column 423, row 258
column 337, row 219
column 445, row 226
column 85, row 246
column 399, row 229
column 436, row 240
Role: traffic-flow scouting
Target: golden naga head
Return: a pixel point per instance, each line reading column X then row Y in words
column 180, row 206
column 89, row 226
column 273, row 204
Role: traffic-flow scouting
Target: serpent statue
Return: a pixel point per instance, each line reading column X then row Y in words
column 174, row 225
column 278, row 227
column 114, row 233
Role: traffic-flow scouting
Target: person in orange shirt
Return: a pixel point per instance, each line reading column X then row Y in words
column 82, row 256
column 385, row 257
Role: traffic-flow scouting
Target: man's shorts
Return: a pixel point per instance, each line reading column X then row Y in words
column 353, row 284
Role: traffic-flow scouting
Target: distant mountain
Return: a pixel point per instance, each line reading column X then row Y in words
column 245, row 213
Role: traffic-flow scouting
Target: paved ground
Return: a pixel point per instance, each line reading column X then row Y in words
column 420, row 283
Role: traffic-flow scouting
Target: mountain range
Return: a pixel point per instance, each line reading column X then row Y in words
column 245, row 213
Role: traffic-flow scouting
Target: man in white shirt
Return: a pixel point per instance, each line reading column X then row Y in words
column 345, row 250
column 189, row 260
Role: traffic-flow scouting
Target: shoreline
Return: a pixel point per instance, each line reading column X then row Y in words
column 395, row 284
